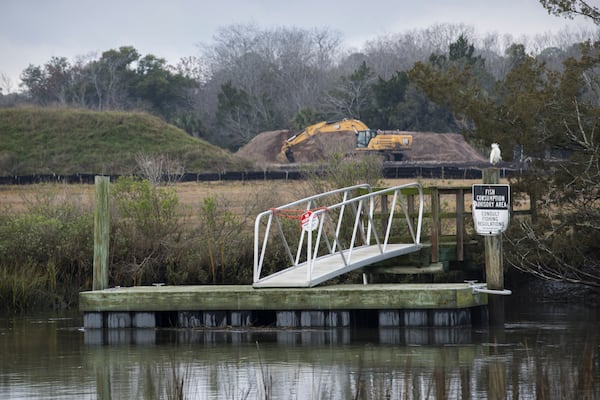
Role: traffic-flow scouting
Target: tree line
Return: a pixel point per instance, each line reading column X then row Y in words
column 249, row 80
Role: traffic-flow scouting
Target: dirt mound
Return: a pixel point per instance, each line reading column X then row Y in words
column 264, row 147
column 442, row 147
column 427, row 147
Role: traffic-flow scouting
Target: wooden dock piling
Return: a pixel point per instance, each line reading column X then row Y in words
column 101, row 234
column 494, row 263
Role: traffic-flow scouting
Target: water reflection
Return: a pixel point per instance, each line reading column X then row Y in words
column 543, row 352
column 310, row 337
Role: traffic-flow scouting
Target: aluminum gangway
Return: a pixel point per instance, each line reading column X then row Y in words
column 340, row 231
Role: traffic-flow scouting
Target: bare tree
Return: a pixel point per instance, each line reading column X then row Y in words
column 159, row 168
column 193, row 68
column 108, row 76
column 6, row 84
column 560, row 244
column 280, row 71
column 352, row 94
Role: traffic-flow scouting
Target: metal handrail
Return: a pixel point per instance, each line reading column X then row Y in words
column 364, row 211
column 306, row 203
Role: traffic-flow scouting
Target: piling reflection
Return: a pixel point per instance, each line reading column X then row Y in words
column 335, row 336
column 555, row 352
column 411, row 363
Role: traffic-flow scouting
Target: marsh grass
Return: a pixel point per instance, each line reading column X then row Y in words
column 170, row 381
column 22, row 286
column 44, row 251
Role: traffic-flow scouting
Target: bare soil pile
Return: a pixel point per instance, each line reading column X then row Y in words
column 264, row 147
column 427, row 147
column 442, row 148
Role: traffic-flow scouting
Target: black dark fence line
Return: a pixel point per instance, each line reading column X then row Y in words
column 389, row 172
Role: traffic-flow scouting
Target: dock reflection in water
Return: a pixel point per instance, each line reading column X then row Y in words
column 317, row 336
column 549, row 349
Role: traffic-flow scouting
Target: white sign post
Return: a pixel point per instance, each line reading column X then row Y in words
column 491, row 208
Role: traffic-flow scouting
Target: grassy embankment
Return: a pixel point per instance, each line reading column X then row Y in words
column 70, row 141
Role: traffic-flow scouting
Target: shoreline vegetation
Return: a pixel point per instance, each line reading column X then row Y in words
column 188, row 233
column 185, row 233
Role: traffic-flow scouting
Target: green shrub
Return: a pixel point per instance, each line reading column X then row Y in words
column 224, row 243
column 146, row 232
column 46, row 252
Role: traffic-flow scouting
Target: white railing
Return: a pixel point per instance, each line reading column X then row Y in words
column 321, row 230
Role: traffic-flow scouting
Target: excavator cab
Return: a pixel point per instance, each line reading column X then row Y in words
column 390, row 144
column 364, row 137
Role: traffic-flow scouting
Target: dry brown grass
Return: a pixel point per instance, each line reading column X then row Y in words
column 17, row 198
column 237, row 194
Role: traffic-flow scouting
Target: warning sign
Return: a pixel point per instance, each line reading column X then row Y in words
column 308, row 223
column 491, row 208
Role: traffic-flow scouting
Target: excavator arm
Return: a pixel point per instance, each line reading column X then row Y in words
column 286, row 153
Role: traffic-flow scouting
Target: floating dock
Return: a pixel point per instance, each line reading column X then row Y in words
column 346, row 305
column 306, row 301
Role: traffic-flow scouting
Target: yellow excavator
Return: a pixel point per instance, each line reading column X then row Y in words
column 390, row 144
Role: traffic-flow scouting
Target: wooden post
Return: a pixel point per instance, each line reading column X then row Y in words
column 435, row 225
column 101, row 234
column 460, row 225
column 494, row 263
column 384, row 211
column 410, row 207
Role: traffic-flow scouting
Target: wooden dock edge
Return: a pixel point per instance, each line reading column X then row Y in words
column 445, row 304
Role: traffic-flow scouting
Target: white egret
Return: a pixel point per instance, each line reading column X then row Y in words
column 495, row 156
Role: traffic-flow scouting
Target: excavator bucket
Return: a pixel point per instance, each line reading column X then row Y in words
column 285, row 156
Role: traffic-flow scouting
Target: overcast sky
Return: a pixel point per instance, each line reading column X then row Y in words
column 32, row 31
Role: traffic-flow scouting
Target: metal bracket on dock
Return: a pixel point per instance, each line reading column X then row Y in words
column 482, row 288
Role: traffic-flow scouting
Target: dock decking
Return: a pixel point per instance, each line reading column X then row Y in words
column 332, row 265
column 242, row 305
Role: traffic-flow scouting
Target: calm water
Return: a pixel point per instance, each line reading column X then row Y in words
column 544, row 351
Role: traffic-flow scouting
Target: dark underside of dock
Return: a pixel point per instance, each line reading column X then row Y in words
column 440, row 304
